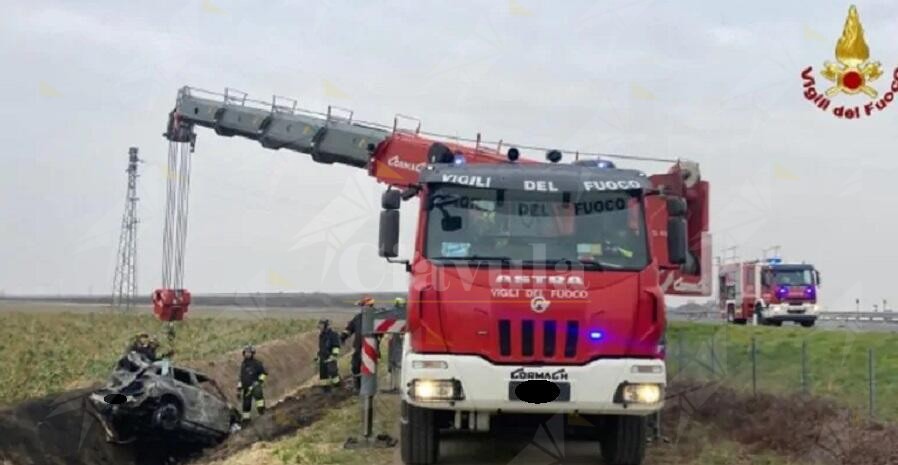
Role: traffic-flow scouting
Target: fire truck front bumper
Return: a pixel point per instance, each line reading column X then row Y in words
column 470, row 383
column 806, row 312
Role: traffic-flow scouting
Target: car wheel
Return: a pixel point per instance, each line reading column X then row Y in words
column 807, row 324
column 167, row 415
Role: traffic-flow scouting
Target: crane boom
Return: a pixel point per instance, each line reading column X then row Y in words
column 393, row 155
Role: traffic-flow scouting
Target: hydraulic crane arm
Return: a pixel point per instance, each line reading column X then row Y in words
column 393, row 155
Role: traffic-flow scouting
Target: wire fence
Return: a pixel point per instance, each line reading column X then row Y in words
column 856, row 372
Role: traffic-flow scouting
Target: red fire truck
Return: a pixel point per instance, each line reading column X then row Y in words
column 534, row 288
column 771, row 290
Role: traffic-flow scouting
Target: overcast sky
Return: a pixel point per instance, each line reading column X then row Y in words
column 709, row 81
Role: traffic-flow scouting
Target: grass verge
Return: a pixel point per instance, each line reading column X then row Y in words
column 825, row 363
column 44, row 353
column 322, row 443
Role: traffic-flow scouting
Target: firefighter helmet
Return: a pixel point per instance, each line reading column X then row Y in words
column 366, row 301
column 249, row 349
column 324, row 323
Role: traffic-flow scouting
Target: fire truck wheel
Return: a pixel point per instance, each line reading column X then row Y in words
column 759, row 310
column 624, row 441
column 419, row 435
column 807, row 324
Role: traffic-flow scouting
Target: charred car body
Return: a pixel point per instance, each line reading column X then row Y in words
column 145, row 397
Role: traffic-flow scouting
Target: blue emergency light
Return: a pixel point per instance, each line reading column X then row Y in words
column 597, row 163
column 595, row 335
column 774, row 261
column 459, row 159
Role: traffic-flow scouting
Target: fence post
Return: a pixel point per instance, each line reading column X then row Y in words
column 713, row 360
column 754, row 366
column 871, row 376
column 804, row 366
column 680, row 365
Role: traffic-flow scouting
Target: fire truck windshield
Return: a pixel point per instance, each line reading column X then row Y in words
column 596, row 230
column 793, row 276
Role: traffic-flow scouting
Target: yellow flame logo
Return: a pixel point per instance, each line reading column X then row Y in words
column 852, row 50
column 853, row 72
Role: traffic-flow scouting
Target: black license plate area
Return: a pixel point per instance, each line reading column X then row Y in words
column 564, row 391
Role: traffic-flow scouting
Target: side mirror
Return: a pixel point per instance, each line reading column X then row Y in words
column 676, row 206
column 817, row 275
column 391, row 200
column 677, row 249
column 388, row 239
column 451, row 223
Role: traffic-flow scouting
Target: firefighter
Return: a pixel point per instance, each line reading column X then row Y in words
column 249, row 387
column 620, row 244
column 145, row 345
column 328, row 351
column 354, row 328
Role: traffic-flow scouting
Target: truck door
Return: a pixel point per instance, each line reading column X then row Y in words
column 748, row 294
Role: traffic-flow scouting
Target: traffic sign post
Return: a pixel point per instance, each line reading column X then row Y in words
column 375, row 323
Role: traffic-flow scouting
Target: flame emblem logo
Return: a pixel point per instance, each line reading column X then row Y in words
column 852, row 72
column 539, row 304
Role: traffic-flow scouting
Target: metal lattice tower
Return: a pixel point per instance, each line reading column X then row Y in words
column 124, row 283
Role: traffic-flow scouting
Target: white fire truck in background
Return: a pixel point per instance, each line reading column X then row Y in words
column 769, row 291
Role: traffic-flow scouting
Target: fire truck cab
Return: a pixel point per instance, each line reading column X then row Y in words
column 534, row 291
column 772, row 290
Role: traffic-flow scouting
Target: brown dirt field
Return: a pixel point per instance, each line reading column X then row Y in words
column 294, row 412
column 803, row 428
column 289, row 363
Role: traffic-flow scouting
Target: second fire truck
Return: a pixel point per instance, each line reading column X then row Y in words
column 770, row 290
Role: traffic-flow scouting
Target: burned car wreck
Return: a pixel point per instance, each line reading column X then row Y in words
column 146, row 398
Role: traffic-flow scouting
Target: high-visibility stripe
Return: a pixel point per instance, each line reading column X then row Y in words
column 389, row 326
column 369, row 356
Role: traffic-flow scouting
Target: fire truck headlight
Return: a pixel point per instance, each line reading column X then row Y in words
column 429, row 365
column 435, row 389
column 640, row 393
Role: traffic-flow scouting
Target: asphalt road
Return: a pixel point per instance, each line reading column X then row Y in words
column 864, row 326
column 538, row 447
